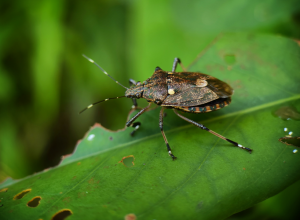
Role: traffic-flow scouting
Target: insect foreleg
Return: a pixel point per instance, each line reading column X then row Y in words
column 161, row 117
column 211, row 131
column 135, row 105
column 136, row 125
column 133, row 82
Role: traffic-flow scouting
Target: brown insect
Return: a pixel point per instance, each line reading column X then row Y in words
column 185, row 91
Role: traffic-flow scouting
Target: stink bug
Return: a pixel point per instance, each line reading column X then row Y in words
column 185, row 91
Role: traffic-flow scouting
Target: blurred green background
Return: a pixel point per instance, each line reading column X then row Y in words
column 45, row 81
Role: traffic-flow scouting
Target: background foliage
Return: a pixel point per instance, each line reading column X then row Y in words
column 44, row 81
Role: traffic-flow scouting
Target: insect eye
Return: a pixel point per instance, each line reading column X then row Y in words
column 157, row 68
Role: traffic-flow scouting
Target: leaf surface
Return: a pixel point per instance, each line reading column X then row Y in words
column 211, row 178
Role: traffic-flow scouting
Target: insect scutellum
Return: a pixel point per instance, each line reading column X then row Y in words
column 191, row 92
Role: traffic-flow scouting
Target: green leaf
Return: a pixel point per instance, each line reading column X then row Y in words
column 211, row 178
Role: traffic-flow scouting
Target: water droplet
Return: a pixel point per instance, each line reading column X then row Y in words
column 91, row 137
column 295, row 151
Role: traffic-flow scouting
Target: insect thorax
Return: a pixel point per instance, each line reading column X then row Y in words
column 135, row 91
column 154, row 89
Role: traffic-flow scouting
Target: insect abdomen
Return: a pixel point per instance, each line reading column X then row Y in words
column 208, row 107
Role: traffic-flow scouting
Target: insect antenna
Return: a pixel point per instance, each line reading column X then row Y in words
column 92, row 61
column 104, row 100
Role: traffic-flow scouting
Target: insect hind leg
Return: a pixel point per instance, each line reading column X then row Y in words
column 212, row 132
column 161, row 117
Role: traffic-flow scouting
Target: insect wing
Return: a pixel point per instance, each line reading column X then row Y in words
column 222, row 89
column 192, row 89
column 184, row 91
column 191, row 97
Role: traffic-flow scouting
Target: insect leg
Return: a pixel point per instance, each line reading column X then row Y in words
column 133, row 82
column 161, row 118
column 136, row 125
column 211, row 131
column 176, row 61
column 135, row 105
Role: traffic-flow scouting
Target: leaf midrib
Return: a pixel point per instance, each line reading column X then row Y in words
column 179, row 128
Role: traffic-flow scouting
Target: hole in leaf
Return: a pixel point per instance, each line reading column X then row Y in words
column 130, row 217
column 293, row 141
column 62, row 214
column 21, row 194
column 287, row 113
column 34, row 202
column 128, row 161
column 3, row 190
column 200, row 205
column 230, row 59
